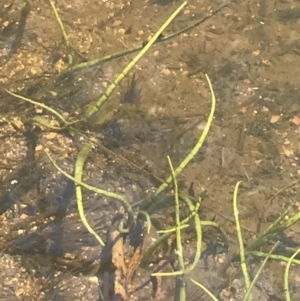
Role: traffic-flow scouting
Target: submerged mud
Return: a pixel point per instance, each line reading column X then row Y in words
column 249, row 49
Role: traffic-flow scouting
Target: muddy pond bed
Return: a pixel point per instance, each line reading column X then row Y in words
column 251, row 52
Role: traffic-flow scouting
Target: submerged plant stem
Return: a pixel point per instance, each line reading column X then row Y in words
column 240, row 237
column 94, row 109
column 82, row 156
column 61, row 25
column 198, row 145
column 116, row 196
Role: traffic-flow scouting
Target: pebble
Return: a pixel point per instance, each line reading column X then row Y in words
column 166, row 71
column 116, row 23
column 51, row 136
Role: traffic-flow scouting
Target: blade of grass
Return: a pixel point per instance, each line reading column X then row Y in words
column 267, row 236
column 275, row 256
column 199, row 240
column 148, row 219
column 219, row 228
column 208, row 292
column 82, row 157
column 179, row 249
column 39, row 104
column 110, row 57
column 184, row 223
column 197, row 257
column 90, row 112
column 240, row 238
column 42, row 121
column 194, row 213
column 198, row 145
column 166, row 235
column 279, row 219
column 286, row 276
column 58, row 19
column 248, row 292
column 116, row 196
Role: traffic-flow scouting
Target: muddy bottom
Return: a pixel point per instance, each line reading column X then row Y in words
column 250, row 50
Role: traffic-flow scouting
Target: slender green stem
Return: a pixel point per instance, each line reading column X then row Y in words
column 39, row 104
column 110, row 57
column 66, row 38
column 148, row 219
column 275, row 257
column 92, row 111
column 184, row 222
column 179, row 249
column 198, row 245
column 270, row 234
column 116, row 196
column 198, row 145
column 286, row 276
column 240, row 238
column 82, row 157
column 208, row 292
column 248, row 292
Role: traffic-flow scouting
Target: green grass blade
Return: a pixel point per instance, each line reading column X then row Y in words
column 90, row 112
column 198, row 246
column 135, row 49
column 61, row 25
column 267, row 236
column 198, row 145
column 240, row 238
column 39, row 104
column 184, row 223
column 82, row 156
column 209, row 293
column 248, row 292
column 42, row 121
column 166, row 235
column 148, row 219
column 219, row 228
column 274, row 256
column 179, row 249
column 99, row 61
column 286, row 276
column 194, row 213
column 116, row 196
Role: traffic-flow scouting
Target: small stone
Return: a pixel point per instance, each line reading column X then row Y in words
column 287, row 152
column 256, row 52
column 33, row 71
column 51, row 136
column 53, row 93
column 39, row 147
column 274, row 118
column 18, row 123
column 116, row 23
column 166, row 71
column 243, row 110
column 265, row 109
column 296, row 120
column 23, row 216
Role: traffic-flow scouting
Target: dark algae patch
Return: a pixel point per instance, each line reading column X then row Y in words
column 249, row 49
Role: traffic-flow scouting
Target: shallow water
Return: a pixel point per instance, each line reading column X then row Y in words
column 249, row 49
